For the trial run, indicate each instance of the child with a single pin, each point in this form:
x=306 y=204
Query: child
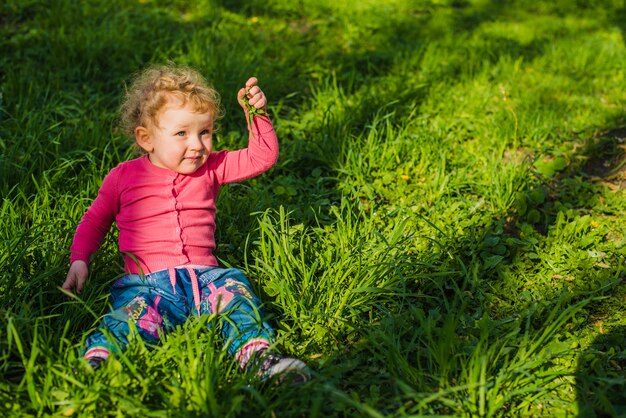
x=164 y=205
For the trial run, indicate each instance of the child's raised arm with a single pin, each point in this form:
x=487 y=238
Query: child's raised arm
x=262 y=151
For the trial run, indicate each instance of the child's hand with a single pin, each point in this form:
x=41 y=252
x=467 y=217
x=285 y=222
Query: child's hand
x=76 y=277
x=254 y=95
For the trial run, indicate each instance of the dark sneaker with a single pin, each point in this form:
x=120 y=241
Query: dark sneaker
x=281 y=369
x=95 y=362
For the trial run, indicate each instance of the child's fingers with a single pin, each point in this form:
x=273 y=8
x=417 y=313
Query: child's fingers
x=80 y=283
x=249 y=92
x=240 y=94
x=258 y=101
x=76 y=277
x=252 y=81
x=252 y=95
x=254 y=91
x=68 y=284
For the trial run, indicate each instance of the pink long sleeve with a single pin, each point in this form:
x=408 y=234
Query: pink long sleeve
x=97 y=220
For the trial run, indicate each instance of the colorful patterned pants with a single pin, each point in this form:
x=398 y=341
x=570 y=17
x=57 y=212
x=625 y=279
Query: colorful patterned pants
x=158 y=302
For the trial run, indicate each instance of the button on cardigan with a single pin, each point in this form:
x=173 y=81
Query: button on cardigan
x=164 y=218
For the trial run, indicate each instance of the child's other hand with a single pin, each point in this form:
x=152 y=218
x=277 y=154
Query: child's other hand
x=255 y=95
x=76 y=277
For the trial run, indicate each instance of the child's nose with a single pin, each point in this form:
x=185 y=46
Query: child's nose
x=195 y=142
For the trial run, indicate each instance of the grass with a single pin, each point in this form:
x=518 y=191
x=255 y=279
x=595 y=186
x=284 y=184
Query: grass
x=443 y=234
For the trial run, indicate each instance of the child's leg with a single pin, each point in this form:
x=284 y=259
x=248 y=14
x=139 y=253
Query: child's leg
x=150 y=302
x=229 y=292
x=248 y=337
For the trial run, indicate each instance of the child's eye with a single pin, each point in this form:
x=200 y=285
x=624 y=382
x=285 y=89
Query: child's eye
x=205 y=132
x=181 y=133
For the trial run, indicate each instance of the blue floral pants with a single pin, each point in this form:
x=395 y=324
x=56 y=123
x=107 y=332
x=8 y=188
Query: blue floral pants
x=158 y=302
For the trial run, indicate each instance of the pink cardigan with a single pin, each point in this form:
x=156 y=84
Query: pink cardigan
x=167 y=219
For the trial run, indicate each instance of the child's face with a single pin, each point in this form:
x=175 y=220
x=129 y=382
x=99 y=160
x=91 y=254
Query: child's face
x=182 y=140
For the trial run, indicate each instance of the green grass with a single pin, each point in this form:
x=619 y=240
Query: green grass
x=443 y=235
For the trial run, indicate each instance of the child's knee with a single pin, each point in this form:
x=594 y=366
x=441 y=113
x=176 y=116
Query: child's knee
x=142 y=311
x=226 y=294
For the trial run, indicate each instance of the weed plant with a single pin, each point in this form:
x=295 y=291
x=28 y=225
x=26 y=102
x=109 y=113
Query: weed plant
x=443 y=235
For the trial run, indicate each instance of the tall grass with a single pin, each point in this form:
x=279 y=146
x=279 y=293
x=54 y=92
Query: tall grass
x=443 y=234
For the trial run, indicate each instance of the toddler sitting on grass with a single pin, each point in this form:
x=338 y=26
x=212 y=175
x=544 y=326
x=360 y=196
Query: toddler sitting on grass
x=164 y=205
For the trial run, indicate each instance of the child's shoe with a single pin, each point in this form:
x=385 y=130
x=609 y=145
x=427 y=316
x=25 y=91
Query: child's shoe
x=95 y=362
x=96 y=355
x=281 y=369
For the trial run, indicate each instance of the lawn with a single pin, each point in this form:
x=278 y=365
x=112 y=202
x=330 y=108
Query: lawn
x=444 y=233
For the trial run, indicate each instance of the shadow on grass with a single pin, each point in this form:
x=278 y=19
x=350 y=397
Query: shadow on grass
x=620 y=21
x=600 y=377
x=607 y=163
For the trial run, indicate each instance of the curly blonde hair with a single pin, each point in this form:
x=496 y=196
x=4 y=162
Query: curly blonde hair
x=151 y=89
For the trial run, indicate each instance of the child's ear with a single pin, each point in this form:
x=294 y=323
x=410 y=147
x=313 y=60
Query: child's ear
x=142 y=136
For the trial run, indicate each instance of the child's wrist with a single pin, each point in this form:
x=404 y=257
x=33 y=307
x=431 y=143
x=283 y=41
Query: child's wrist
x=78 y=260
